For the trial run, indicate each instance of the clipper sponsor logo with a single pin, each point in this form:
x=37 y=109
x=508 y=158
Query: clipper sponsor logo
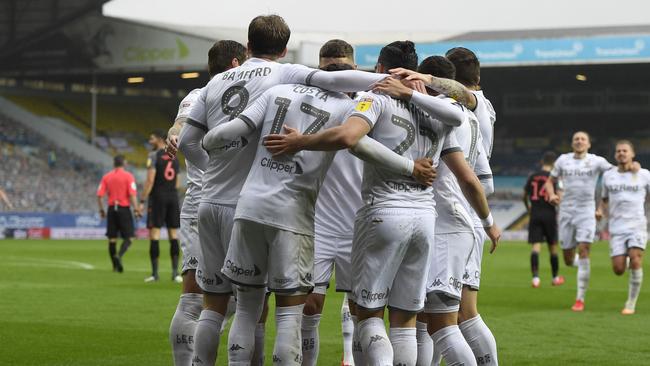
x=374 y=296
x=281 y=167
x=405 y=187
x=455 y=283
x=235 y=144
x=240 y=271
x=207 y=280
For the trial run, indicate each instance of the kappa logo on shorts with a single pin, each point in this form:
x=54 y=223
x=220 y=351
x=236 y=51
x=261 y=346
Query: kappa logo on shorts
x=466 y=276
x=436 y=283
x=276 y=359
x=356 y=346
x=306 y=278
x=374 y=296
x=375 y=338
x=281 y=281
x=240 y=271
x=193 y=261
x=196 y=360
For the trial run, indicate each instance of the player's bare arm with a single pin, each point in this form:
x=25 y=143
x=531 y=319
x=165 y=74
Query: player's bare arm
x=448 y=87
x=525 y=199
x=100 y=205
x=171 y=147
x=553 y=197
x=443 y=110
x=148 y=185
x=473 y=192
x=601 y=211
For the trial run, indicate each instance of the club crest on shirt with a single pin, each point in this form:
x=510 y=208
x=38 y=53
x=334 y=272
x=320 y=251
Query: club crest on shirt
x=363 y=105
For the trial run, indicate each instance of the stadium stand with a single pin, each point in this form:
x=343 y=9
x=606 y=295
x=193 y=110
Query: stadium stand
x=40 y=177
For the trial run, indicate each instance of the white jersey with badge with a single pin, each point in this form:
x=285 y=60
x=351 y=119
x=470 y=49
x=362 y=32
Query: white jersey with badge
x=190 y=207
x=579 y=178
x=626 y=193
x=487 y=116
x=448 y=194
x=223 y=99
x=410 y=132
x=339 y=198
x=282 y=191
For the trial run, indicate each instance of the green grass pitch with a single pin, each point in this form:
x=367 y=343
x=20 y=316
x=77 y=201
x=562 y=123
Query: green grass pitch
x=61 y=305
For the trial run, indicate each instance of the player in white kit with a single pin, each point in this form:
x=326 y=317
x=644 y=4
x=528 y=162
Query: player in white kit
x=394 y=229
x=221 y=100
x=338 y=201
x=579 y=172
x=222 y=56
x=273 y=231
x=454 y=232
x=623 y=197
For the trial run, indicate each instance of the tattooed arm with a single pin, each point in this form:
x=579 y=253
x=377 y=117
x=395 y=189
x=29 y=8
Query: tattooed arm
x=448 y=87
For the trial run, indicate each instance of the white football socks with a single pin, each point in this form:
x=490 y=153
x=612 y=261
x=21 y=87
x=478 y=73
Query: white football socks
x=206 y=338
x=288 y=348
x=230 y=311
x=583 y=278
x=636 y=279
x=453 y=347
x=258 y=354
x=347 y=328
x=181 y=330
x=405 y=346
x=357 y=350
x=377 y=349
x=310 y=339
x=241 y=338
x=481 y=340
x=425 y=344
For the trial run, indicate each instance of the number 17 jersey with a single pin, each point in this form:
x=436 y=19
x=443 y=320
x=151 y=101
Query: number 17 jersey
x=281 y=191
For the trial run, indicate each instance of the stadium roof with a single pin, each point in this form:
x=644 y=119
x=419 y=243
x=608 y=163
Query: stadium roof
x=24 y=22
x=551 y=33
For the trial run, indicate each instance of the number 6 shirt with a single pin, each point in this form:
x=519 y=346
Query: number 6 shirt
x=164 y=183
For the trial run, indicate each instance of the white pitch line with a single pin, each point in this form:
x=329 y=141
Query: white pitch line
x=51 y=263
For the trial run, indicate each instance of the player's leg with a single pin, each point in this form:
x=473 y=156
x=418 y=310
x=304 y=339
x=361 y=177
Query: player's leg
x=408 y=291
x=357 y=351
x=567 y=233
x=154 y=223
x=551 y=235
x=471 y=324
x=290 y=259
x=215 y=224
x=246 y=265
x=112 y=230
x=260 y=331
x=190 y=304
x=636 y=245
x=378 y=237
x=324 y=250
x=172 y=221
x=534 y=263
x=424 y=341
x=343 y=268
x=347 y=330
x=584 y=235
x=449 y=256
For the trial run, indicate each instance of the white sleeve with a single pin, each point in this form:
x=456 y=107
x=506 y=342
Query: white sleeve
x=445 y=110
x=450 y=143
x=556 y=172
x=369 y=108
x=187 y=103
x=647 y=180
x=483 y=171
x=345 y=80
x=604 y=164
x=251 y=119
x=189 y=143
x=374 y=152
x=199 y=115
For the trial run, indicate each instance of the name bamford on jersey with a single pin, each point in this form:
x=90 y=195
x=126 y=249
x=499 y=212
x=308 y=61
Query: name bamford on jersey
x=247 y=74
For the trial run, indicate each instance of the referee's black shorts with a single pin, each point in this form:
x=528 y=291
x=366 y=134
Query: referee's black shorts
x=119 y=222
x=542 y=228
x=163 y=210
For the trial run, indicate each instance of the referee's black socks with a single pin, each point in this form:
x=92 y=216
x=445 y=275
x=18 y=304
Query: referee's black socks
x=112 y=250
x=124 y=247
x=555 y=264
x=154 y=253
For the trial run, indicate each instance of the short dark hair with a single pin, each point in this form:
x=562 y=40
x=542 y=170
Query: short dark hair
x=118 y=161
x=159 y=133
x=268 y=35
x=337 y=67
x=549 y=158
x=468 y=67
x=438 y=66
x=581 y=131
x=399 y=54
x=221 y=54
x=336 y=48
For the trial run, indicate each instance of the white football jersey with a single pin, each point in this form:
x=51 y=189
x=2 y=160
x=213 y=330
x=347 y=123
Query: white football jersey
x=410 y=132
x=282 y=191
x=190 y=207
x=340 y=196
x=626 y=193
x=447 y=190
x=223 y=99
x=486 y=118
x=579 y=178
